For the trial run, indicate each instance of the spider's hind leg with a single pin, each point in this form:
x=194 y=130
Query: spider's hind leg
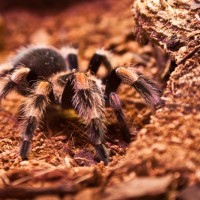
x=89 y=103
x=70 y=55
x=101 y=56
x=34 y=109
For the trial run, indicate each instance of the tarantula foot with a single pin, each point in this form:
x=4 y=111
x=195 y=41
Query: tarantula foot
x=160 y=104
x=24 y=149
x=102 y=153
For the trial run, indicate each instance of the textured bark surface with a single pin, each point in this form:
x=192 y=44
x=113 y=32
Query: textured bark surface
x=170 y=144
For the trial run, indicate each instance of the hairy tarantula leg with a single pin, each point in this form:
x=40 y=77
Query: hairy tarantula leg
x=116 y=105
x=70 y=54
x=88 y=102
x=100 y=57
x=147 y=88
x=34 y=109
x=96 y=130
x=5 y=69
x=16 y=78
x=112 y=84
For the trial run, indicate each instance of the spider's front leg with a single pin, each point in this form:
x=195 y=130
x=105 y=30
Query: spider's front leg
x=33 y=110
x=147 y=88
x=89 y=103
x=11 y=81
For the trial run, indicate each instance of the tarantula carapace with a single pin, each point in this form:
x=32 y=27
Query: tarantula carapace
x=47 y=75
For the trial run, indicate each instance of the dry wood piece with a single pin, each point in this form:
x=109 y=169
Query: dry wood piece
x=190 y=193
x=174 y=26
x=28 y=193
x=171 y=24
x=148 y=188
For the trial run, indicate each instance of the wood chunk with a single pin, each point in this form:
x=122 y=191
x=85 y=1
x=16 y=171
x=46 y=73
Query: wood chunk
x=140 y=188
x=190 y=193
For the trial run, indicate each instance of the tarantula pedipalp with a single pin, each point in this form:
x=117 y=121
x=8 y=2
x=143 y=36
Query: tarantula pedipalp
x=48 y=75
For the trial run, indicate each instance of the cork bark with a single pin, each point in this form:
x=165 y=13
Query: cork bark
x=170 y=144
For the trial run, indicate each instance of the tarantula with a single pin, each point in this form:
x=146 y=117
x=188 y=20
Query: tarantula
x=48 y=75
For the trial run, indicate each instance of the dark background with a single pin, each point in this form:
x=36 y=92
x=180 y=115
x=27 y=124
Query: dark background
x=38 y=5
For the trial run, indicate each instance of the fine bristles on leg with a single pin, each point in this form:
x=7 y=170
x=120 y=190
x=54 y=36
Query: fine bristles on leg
x=102 y=152
x=31 y=124
x=70 y=54
x=147 y=88
x=149 y=91
x=6 y=87
x=101 y=56
x=5 y=69
x=33 y=111
x=96 y=131
x=16 y=78
x=116 y=105
x=89 y=103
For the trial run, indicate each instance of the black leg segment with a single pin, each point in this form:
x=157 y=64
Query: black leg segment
x=112 y=84
x=100 y=57
x=27 y=136
x=72 y=61
x=116 y=105
x=96 y=131
x=70 y=55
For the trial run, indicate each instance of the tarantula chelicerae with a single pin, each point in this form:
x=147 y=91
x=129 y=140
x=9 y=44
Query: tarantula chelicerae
x=47 y=75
